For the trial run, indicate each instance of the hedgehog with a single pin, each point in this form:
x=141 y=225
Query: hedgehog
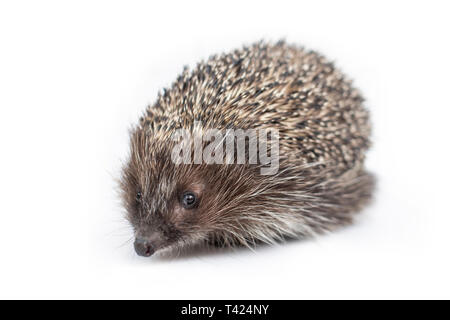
x=319 y=125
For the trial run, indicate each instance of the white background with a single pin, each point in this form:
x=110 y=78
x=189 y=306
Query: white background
x=74 y=75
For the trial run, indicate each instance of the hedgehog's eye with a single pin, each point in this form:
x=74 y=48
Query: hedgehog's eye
x=188 y=200
x=138 y=197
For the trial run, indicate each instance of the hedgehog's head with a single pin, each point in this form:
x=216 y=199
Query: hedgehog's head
x=172 y=205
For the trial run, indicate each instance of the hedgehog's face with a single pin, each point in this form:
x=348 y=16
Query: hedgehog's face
x=164 y=207
x=168 y=205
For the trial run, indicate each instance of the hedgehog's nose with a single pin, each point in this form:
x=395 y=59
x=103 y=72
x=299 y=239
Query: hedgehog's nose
x=143 y=247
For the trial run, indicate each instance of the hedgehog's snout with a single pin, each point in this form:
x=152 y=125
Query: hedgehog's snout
x=148 y=241
x=143 y=247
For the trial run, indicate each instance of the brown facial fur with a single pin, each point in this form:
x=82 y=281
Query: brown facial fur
x=324 y=133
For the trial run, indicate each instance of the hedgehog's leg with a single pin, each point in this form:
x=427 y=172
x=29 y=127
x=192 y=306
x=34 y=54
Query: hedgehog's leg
x=215 y=242
x=227 y=240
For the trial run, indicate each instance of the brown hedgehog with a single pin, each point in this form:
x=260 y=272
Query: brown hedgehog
x=322 y=134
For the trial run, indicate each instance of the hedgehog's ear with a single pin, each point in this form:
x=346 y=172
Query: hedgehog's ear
x=198 y=187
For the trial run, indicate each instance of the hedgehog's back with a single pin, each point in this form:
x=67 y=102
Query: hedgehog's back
x=317 y=112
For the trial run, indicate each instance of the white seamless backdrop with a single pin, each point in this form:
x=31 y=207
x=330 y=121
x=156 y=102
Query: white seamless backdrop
x=74 y=76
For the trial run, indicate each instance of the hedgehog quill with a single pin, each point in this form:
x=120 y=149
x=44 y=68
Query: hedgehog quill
x=276 y=107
